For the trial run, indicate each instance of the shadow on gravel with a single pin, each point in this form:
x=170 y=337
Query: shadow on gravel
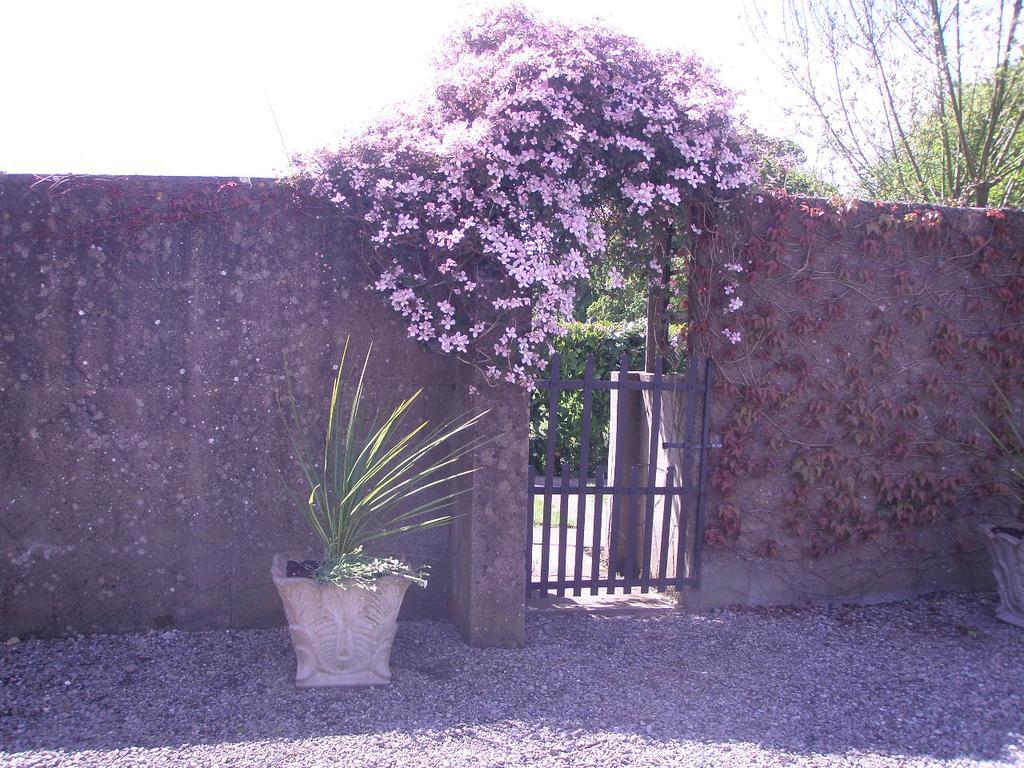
x=936 y=678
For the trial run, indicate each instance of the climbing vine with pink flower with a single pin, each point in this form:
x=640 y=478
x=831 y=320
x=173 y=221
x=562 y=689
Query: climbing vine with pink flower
x=486 y=206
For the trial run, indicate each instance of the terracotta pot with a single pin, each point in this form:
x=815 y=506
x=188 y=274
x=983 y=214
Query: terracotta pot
x=341 y=635
x=1007 y=553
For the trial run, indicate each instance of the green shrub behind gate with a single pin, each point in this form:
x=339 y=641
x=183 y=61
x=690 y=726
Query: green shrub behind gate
x=607 y=342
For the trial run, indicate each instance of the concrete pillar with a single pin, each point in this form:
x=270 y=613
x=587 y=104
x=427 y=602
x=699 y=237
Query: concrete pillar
x=488 y=536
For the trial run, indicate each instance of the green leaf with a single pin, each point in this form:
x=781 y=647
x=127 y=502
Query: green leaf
x=379 y=481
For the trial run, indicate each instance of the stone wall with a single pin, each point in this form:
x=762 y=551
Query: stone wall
x=147 y=478
x=144 y=328
x=852 y=409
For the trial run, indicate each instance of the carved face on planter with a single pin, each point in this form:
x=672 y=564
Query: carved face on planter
x=342 y=636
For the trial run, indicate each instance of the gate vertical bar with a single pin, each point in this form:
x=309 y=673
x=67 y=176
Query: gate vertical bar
x=531 y=479
x=687 y=486
x=595 y=557
x=581 y=498
x=549 y=468
x=631 y=537
x=652 y=472
x=666 y=525
x=618 y=475
x=563 y=527
x=709 y=380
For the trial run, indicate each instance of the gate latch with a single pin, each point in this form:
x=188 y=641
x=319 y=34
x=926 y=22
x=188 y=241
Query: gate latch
x=714 y=443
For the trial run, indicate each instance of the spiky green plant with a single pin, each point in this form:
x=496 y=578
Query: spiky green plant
x=1012 y=447
x=378 y=479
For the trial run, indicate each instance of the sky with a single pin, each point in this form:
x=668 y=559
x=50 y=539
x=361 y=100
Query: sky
x=193 y=88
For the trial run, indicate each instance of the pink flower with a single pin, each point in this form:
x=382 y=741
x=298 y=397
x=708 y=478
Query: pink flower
x=534 y=132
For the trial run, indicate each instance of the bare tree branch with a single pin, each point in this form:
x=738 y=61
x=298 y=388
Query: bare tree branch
x=922 y=99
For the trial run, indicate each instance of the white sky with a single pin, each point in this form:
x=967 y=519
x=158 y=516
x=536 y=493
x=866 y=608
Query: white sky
x=183 y=88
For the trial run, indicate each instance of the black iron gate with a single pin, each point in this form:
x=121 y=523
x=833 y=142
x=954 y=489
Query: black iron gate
x=639 y=523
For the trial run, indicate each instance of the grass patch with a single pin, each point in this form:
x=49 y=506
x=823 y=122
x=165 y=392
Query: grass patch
x=556 y=516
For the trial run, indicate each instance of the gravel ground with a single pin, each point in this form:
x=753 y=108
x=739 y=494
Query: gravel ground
x=936 y=681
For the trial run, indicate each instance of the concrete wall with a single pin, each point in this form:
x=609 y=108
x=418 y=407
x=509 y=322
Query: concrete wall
x=854 y=466
x=146 y=477
x=145 y=474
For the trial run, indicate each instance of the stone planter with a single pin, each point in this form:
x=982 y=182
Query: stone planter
x=1007 y=551
x=341 y=636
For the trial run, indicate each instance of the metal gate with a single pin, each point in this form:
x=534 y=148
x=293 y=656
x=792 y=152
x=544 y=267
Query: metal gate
x=639 y=523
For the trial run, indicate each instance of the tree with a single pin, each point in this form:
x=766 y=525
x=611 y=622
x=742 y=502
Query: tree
x=922 y=99
x=599 y=301
x=931 y=151
x=779 y=162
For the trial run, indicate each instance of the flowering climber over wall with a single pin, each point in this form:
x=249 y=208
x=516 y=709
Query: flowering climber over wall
x=486 y=206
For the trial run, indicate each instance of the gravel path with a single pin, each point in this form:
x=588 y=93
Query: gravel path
x=935 y=681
